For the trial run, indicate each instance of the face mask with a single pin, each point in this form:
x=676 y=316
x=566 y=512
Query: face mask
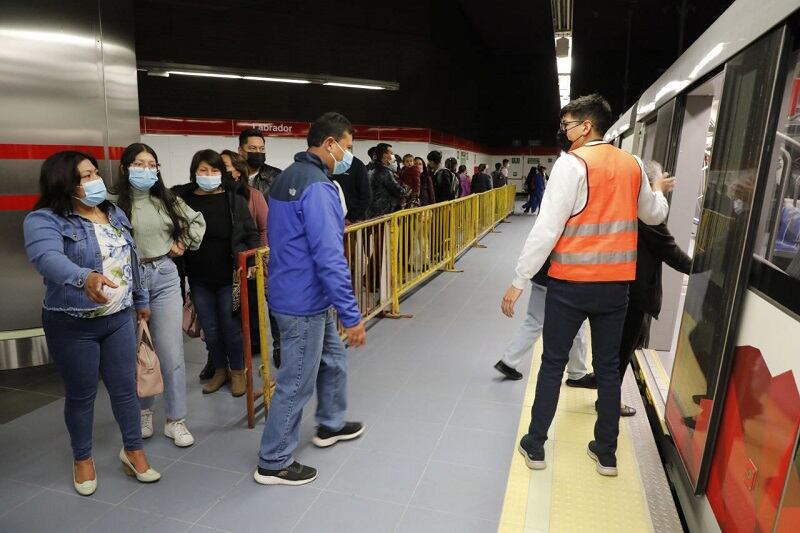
x=340 y=167
x=209 y=183
x=94 y=193
x=393 y=165
x=563 y=141
x=142 y=178
x=256 y=159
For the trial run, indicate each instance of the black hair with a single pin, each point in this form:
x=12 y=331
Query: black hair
x=593 y=108
x=505 y=161
x=435 y=156
x=165 y=197
x=462 y=168
x=330 y=124
x=371 y=152
x=497 y=166
x=482 y=167
x=250 y=132
x=451 y=163
x=57 y=181
x=381 y=149
x=208 y=156
x=240 y=164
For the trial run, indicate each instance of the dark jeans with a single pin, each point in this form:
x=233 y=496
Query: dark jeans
x=85 y=349
x=567 y=306
x=633 y=335
x=222 y=329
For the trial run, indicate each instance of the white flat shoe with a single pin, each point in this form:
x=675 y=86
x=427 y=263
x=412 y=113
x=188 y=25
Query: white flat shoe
x=150 y=476
x=86 y=488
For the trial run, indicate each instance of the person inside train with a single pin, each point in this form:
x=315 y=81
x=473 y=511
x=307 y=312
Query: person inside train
x=655 y=245
x=82 y=246
x=212 y=268
x=309 y=279
x=590 y=240
x=252 y=148
x=164 y=227
x=529 y=332
x=482 y=181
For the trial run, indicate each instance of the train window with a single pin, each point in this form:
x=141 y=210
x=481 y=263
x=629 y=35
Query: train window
x=705 y=341
x=778 y=238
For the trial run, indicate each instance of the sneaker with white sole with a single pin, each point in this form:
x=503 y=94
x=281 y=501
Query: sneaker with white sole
x=178 y=432
x=326 y=437
x=606 y=462
x=294 y=474
x=534 y=457
x=147 y=423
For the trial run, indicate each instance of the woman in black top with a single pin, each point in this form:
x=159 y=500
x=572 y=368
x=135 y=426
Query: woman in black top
x=211 y=268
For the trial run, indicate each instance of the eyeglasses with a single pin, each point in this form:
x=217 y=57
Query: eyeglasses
x=564 y=125
x=149 y=166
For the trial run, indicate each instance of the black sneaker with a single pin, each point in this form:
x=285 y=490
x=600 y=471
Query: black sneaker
x=586 y=382
x=294 y=474
x=507 y=371
x=606 y=463
x=326 y=437
x=534 y=457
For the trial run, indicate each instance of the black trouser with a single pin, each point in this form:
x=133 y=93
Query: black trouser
x=567 y=306
x=633 y=335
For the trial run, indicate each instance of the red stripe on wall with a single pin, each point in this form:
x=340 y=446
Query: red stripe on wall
x=43 y=151
x=17 y=202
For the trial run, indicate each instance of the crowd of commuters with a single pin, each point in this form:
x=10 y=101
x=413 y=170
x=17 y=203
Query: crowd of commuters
x=111 y=262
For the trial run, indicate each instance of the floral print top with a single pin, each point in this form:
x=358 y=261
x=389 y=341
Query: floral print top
x=117 y=267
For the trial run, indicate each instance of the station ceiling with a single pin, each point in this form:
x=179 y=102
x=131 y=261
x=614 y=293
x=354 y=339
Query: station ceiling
x=482 y=70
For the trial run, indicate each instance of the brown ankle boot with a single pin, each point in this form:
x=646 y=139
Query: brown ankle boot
x=219 y=379
x=238 y=382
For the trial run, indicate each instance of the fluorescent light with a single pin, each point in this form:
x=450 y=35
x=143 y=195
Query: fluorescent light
x=205 y=74
x=564 y=65
x=354 y=86
x=278 y=80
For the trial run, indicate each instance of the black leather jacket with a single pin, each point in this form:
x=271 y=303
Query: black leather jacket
x=264 y=179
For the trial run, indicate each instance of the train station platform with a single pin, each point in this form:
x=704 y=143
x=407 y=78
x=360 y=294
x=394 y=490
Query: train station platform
x=439 y=454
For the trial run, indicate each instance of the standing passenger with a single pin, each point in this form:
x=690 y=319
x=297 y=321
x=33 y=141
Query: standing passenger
x=164 y=228
x=427 y=196
x=482 y=181
x=82 y=246
x=357 y=191
x=592 y=239
x=410 y=178
x=386 y=191
x=211 y=268
x=465 y=181
x=308 y=280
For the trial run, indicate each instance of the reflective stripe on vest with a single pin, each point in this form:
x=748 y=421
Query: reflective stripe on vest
x=599 y=243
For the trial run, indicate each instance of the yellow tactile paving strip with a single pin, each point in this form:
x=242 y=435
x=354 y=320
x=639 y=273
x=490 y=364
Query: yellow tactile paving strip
x=570 y=496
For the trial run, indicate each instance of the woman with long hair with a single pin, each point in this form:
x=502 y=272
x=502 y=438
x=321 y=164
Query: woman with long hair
x=82 y=246
x=164 y=227
x=212 y=267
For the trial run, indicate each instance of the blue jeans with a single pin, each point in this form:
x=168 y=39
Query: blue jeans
x=312 y=352
x=85 y=349
x=223 y=330
x=166 y=308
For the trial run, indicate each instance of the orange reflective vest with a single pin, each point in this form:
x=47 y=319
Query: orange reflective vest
x=599 y=243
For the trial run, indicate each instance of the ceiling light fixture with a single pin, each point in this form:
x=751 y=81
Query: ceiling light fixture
x=204 y=74
x=277 y=80
x=354 y=85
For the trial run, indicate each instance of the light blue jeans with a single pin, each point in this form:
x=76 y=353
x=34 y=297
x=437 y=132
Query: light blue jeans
x=531 y=329
x=166 y=315
x=311 y=353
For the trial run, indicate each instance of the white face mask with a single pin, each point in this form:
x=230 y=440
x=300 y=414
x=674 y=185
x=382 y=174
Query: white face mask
x=393 y=165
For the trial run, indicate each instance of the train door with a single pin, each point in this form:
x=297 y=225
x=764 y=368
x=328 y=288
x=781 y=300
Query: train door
x=722 y=255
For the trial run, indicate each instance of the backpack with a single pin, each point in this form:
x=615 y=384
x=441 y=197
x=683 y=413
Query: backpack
x=455 y=185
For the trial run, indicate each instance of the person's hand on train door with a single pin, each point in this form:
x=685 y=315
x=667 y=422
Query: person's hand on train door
x=356 y=336
x=509 y=300
x=664 y=184
x=94 y=287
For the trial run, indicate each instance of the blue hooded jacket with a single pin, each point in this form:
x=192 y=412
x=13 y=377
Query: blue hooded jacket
x=308 y=272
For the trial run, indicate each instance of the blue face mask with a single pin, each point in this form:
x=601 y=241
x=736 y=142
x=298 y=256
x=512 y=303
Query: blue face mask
x=209 y=183
x=142 y=178
x=94 y=193
x=340 y=167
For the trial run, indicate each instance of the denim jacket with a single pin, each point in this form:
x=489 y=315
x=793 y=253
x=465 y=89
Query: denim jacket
x=65 y=251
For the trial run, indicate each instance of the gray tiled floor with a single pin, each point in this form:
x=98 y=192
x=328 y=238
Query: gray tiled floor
x=440 y=435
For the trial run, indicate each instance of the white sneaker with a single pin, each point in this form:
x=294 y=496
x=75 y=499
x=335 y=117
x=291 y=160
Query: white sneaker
x=147 y=423
x=178 y=432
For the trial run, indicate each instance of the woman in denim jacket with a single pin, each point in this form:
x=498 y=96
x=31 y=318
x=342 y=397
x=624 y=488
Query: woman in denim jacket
x=81 y=244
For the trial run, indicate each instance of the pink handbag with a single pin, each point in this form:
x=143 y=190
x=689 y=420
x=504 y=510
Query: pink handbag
x=148 y=370
x=191 y=325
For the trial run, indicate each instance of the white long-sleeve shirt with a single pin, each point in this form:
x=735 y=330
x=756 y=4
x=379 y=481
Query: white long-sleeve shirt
x=565 y=196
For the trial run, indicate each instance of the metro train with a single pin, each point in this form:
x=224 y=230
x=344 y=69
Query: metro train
x=721 y=369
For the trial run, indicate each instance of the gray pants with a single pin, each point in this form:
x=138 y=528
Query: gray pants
x=530 y=331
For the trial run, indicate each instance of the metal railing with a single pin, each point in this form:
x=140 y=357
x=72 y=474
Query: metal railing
x=388 y=257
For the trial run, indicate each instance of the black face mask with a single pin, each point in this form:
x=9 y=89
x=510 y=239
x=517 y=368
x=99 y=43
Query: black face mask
x=255 y=159
x=563 y=141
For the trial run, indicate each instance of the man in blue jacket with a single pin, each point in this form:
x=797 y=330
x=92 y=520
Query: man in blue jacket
x=308 y=280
